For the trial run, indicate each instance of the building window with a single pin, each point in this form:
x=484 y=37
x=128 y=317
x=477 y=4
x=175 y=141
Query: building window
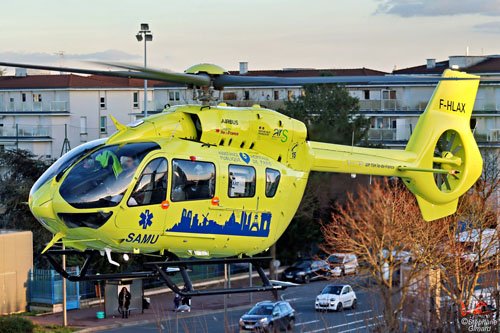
x=37 y=97
x=290 y=95
x=192 y=180
x=102 y=102
x=247 y=95
x=136 y=99
x=272 y=182
x=366 y=94
x=174 y=96
x=276 y=95
x=229 y=96
x=104 y=127
x=23 y=97
x=83 y=125
x=241 y=181
x=151 y=188
x=388 y=94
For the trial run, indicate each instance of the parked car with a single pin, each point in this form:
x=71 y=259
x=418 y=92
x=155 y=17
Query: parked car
x=343 y=263
x=336 y=297
x=268 y=316
x=306 y=271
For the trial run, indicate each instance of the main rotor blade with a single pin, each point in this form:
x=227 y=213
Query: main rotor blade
x=138 y=73
x=200 y=80
x=234 y=80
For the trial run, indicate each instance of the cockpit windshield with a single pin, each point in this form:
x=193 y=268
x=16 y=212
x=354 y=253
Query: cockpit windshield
x=65 y=162
x=102 y=178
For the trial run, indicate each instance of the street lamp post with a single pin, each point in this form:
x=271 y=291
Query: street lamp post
x=145 y=34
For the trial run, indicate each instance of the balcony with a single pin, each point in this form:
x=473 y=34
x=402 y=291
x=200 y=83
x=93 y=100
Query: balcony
x=381 y=105
x=54 y=106
x=382 y=134
x=25 y=131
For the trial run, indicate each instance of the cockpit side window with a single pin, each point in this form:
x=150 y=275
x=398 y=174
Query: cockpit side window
x=102 y=178
x=151 y=188
x=192 y=180
x=272 y=182
x=241 y=181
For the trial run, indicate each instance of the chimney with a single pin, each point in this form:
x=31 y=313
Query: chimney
x=21 y=72
x=243 y=68
x=431 y=63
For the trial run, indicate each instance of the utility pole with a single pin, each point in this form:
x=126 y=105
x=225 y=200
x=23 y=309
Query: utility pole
x=145 y=34
x=65 y=314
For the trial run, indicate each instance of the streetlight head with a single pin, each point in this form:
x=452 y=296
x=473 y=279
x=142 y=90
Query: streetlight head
x=139 y=37
x=144 y=26
x=149 y=37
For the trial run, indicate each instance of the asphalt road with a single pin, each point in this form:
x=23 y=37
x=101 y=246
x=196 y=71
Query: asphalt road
x=302 y=299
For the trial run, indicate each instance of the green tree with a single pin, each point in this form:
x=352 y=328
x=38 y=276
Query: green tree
x=331 y=115
x=18 y=172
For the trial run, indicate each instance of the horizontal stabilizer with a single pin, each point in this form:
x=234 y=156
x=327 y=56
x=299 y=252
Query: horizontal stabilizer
x=432 y=211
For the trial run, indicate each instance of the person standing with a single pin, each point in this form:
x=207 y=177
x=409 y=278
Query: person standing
x=124 y=302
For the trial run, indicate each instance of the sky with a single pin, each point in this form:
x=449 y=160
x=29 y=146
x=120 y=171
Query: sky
x=268 y=34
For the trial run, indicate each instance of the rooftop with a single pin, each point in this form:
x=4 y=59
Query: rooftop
x=489 y=64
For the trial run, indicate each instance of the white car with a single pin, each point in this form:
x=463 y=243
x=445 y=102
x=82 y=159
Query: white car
x=343 y=263
x=336 y=297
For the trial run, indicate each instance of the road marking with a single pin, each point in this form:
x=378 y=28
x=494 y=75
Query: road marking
x=293 y=299
x=357 y=328
x=342 y=325
x=358 y=313
x=307 y=322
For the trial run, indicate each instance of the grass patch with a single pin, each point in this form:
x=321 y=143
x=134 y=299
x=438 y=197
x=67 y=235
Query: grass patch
x=54 y=329
x=28 y=313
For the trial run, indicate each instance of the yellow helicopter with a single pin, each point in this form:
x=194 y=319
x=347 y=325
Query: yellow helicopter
x=217 y=181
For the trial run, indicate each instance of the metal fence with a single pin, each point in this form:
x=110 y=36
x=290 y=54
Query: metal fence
x=89 y=289
x=46 y=287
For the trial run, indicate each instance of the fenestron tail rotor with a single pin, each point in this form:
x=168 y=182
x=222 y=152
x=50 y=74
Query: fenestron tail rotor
x=449 y=158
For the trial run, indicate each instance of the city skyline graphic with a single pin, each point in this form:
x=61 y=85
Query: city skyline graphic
x=249 y=224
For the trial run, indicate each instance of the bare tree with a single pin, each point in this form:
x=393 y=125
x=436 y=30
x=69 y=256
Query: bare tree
x=384 y=228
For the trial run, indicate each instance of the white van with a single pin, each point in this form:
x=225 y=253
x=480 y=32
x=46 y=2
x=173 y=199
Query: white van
x=343 y=263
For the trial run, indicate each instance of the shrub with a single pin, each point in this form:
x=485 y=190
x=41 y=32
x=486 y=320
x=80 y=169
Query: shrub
x=14 y=324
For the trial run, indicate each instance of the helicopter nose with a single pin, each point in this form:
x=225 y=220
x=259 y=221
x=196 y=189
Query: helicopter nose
x=41 y=206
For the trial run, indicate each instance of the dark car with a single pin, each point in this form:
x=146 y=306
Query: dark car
x=268 y=317
x=306 y=271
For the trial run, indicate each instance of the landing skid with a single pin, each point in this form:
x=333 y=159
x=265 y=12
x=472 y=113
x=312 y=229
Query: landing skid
x=165 y=268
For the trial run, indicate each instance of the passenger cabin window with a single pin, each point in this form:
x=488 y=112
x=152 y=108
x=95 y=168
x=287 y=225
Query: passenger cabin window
x=241 y=181
x=152 y=185
x=192 y=180
x=272 y=182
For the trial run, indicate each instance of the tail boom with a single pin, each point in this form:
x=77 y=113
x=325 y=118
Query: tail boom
x=441 y=161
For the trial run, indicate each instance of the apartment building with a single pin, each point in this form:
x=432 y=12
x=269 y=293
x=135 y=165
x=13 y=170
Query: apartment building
x=48 y=114
x=38 y=112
